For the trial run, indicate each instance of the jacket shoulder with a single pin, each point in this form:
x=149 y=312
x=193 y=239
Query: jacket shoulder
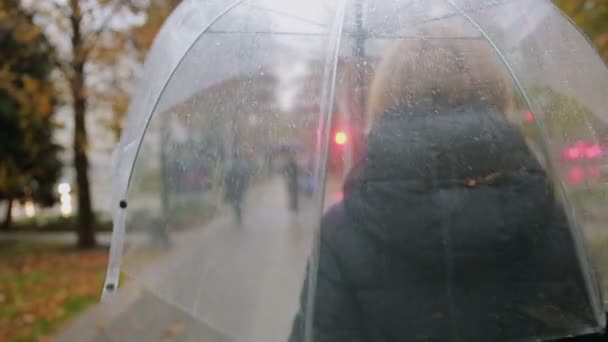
x=334 y=217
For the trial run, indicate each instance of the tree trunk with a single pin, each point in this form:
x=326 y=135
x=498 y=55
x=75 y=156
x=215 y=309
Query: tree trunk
x=86 y=219
x=8 y=218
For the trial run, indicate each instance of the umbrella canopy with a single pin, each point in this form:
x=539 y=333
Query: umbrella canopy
x=456 y=150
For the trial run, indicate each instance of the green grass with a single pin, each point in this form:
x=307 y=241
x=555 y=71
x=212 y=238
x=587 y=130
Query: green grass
x=44 y=285
x=183 y=212
x=44 y=327
x=58 y=224
x=13 y=250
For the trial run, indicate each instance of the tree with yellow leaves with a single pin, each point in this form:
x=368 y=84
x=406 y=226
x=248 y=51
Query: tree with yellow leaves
x=142 y=38
x=97 y=53
x=592 y=17
x=29 y=161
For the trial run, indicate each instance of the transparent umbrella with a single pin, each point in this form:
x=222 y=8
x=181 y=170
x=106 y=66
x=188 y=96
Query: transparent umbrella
x=332 y=170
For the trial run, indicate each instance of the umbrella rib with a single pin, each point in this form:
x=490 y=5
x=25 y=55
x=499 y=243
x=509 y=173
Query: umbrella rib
x=355 y=33
x=287 y=15
x=312 y=34
x=594 y=299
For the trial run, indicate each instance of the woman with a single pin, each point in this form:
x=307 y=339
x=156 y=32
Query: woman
x=449 y=229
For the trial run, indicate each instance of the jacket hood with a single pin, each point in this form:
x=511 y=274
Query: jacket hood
x=462 y=177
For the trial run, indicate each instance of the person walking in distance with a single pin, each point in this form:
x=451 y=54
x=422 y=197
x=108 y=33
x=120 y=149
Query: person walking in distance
x=236 y=182
x=291 y=175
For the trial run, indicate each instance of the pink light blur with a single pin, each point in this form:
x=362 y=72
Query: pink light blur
x=576 y=175
x=583 y=150
x=573 y=153
x=593 y=151
x=594 y=172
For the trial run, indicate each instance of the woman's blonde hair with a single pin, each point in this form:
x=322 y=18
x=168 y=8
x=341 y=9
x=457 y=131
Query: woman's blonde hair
x=436 y=69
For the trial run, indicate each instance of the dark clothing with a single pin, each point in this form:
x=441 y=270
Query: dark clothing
x=236 y=182
x=291 y=174
x=449 y=231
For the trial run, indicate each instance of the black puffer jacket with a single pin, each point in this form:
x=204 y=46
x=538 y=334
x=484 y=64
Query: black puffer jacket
x=449 y=231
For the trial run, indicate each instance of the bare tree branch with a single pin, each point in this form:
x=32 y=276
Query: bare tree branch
x=59 y=63
x=93 y=37
x=63 y=10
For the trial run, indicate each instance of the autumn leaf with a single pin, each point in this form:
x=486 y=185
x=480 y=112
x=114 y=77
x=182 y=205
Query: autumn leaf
x=47 y=286
x=175 y=330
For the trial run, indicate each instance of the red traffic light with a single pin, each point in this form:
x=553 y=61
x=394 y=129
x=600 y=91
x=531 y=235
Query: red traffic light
x=341 y=138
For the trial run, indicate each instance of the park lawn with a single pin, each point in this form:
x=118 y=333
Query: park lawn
x=44 y=285
x=54 y=224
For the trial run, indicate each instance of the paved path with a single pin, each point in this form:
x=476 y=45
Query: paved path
x=224 y=282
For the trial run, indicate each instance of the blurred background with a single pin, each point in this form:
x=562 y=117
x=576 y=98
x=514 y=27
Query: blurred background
x=67 y=70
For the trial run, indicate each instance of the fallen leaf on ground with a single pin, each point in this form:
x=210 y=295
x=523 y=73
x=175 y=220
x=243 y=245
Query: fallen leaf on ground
x=175 y=330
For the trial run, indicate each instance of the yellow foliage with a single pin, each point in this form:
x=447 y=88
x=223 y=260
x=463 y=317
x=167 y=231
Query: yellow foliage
x=33 y=95
x=570 y=7
x=592 y=17
x=30 y=84
x=45 y=102
x=27 y=33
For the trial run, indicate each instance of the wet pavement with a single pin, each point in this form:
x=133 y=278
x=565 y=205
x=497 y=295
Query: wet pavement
x=218 y=282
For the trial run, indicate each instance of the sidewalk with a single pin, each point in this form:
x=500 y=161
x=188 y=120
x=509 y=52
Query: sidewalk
x=219 y=282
